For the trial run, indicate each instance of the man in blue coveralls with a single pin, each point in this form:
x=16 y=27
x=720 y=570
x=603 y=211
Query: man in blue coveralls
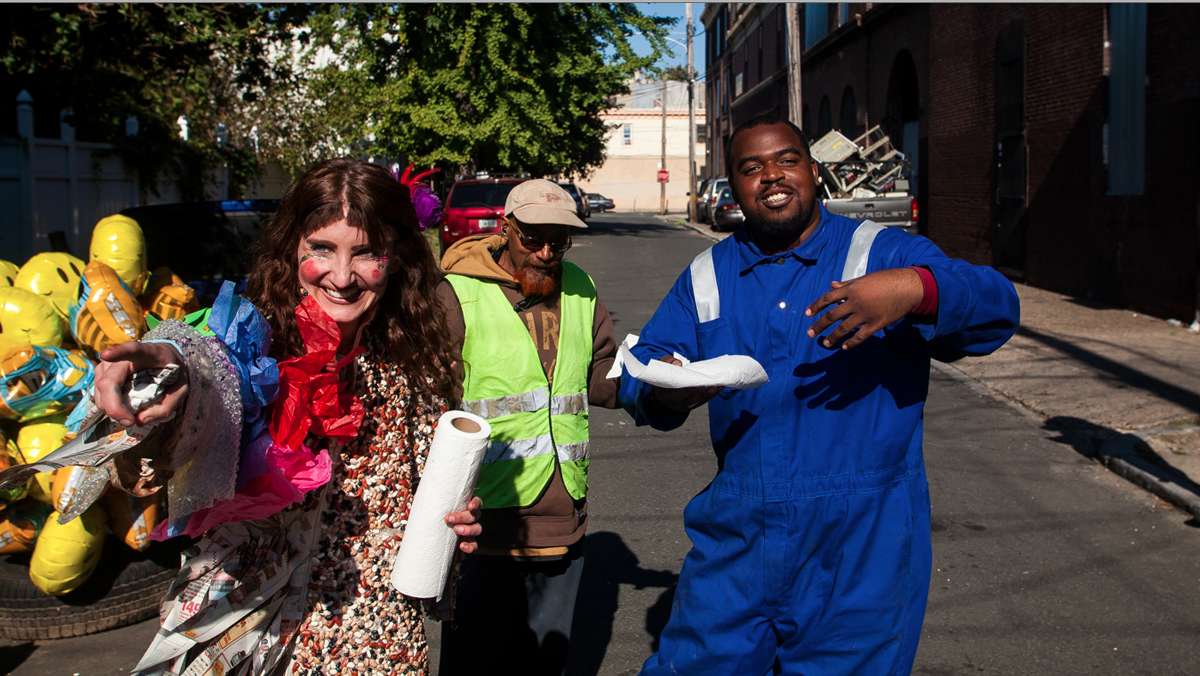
x=811 y=547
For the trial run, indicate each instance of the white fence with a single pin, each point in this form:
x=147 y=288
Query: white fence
x=53 y=190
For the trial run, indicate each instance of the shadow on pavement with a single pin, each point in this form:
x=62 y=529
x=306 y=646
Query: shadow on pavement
x=1126 y=374
x=1106 y=444
x=12 y=656
x=624 y=225
x=609 y=564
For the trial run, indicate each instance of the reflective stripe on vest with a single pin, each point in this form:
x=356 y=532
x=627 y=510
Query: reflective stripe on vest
x=567 y=404
x=860 y=250
x=499 y=451
x=704 y=276
x=704 y=287
x=535 y=420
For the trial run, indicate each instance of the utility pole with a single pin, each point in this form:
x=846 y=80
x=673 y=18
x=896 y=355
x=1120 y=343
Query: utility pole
x=795 y=48
x=691 y=77
x=662 y=185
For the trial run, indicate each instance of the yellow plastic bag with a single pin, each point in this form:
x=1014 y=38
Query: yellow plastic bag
x=132 y=518
x=167 y=297
x=27 y=319
x=107 y=312
x=34 y=441
x=54 y=275
x=66 y=554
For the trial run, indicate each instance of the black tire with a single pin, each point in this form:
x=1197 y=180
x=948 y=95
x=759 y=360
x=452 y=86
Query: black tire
x=126 y=587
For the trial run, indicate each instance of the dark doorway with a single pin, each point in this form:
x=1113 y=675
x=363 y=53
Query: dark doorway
x=824 y=118
x=902 y=123
x=1009 y=216
x=848 y=116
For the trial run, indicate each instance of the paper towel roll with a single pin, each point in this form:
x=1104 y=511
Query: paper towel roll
x=427 y=550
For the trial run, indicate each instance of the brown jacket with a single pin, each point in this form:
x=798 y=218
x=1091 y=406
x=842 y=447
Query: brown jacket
x=555 y=521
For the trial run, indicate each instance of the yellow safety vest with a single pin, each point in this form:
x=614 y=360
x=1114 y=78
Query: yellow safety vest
x=533 y=421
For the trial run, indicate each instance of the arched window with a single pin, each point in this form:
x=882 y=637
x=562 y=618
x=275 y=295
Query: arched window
x=824 y=118
x=848 y=117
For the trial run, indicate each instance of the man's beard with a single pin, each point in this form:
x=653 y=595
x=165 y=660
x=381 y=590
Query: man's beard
x=777 y=232
x=538 y=282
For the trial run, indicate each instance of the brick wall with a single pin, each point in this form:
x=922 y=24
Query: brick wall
x=1138 y=251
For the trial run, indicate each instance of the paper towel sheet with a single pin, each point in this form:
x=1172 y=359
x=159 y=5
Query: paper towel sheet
x=427 y=550
x=737 y=371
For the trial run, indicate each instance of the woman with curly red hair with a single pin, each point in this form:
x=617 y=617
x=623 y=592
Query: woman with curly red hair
x=327 y=383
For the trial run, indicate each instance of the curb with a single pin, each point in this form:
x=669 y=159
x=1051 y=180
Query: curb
x=683 y=223
x=1121 y=452
x=1120 y=455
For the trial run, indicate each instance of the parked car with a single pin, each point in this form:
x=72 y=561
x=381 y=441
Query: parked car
x=598 y=202
x=474 y=206
x=582 y=209
x=726 y=213
x=204 y=243
x=709 y=193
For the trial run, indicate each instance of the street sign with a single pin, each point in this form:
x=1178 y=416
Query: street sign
x=663 y=176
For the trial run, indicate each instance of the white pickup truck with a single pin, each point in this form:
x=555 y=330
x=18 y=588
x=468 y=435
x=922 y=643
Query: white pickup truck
x=866 y=178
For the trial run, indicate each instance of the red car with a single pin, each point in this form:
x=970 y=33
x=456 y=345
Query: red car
x=474 y=206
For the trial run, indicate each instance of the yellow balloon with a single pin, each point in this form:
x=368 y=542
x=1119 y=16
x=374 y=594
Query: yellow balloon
x=107 y=313
x=35 y=441
x=167 y=297
x=66 y=554
x=118 y=242
x=8 y=272
x=28 y=319
x=54 y=275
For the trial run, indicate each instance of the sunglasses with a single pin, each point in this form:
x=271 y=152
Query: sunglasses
x=535 y=244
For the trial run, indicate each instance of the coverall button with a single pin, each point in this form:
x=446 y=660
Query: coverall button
x=782 y=304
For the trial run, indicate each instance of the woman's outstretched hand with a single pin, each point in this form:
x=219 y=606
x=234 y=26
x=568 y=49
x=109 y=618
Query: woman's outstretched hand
x=466 y=525
x=115 y=370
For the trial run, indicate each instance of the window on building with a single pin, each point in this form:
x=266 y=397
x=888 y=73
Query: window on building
x=824 y=118
x=627 y=133
x=758 y=74
x=701 y=132
x=1126 y=119
x=816 y=23
x=843 y=13
x=848 y=115
x=1010 y=188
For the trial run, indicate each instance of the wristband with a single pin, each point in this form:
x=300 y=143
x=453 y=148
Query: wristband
x=928 y=306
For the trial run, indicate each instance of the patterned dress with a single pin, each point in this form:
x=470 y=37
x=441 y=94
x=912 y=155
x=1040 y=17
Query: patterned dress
x=307 y=591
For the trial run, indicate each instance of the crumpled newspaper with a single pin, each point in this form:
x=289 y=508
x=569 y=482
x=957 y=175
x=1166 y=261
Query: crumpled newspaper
x=98 y=440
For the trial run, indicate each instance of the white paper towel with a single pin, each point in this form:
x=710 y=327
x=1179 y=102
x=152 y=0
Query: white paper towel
x=737 y=371
x=427 y=550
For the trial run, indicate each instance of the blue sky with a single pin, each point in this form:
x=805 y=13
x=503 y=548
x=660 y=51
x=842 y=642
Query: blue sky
x=679 y=32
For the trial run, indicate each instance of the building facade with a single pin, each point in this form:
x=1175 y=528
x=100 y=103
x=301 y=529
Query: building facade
x=634 y=151
x=1059 y=143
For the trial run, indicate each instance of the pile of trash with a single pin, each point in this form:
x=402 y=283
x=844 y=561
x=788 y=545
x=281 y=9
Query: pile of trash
x=57 y=314
x=866 y=166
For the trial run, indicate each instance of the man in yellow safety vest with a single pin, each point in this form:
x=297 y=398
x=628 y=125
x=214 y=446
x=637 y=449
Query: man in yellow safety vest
x=536 y=345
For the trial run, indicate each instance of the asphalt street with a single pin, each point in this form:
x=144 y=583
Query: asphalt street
x=1044 y=563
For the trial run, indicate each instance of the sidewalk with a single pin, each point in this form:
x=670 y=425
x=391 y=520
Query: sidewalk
x=1119 y=387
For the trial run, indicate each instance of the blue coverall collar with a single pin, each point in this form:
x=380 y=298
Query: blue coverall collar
x=807 y=253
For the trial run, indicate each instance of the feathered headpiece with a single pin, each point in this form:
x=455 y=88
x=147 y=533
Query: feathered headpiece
x=425 y=202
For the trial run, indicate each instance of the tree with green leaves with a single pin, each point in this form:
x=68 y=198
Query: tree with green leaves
x=466 y=86
x=215 y=64
x=517 y=87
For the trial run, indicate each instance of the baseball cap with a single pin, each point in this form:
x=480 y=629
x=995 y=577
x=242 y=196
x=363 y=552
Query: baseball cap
x=542 y=202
